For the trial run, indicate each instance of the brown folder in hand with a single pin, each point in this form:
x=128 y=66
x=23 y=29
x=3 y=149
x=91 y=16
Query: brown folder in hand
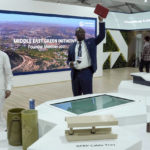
x=101 y=11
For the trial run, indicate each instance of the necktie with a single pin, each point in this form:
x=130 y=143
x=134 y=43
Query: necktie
x=79 y=53
x=79 y=50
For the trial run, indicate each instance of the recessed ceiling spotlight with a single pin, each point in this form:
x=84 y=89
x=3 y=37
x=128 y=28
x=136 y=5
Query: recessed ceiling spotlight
x=145 y=1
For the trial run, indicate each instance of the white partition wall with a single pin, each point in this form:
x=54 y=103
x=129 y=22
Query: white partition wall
x=122 y=46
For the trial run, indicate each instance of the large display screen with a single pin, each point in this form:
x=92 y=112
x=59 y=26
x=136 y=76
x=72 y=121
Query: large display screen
x=90 y=104
x=39 y=43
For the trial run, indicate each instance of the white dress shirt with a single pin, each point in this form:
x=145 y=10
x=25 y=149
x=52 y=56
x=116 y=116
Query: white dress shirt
x=85 y=59
x=5 y=72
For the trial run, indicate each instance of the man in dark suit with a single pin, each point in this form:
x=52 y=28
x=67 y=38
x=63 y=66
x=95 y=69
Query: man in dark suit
x=82 y=60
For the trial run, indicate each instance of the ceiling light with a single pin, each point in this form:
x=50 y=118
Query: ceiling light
x=145 y=1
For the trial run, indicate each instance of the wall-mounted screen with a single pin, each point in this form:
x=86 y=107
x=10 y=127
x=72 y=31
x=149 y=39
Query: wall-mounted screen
x=39 y=43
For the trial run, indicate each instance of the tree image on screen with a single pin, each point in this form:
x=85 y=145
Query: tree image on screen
x=40 y=43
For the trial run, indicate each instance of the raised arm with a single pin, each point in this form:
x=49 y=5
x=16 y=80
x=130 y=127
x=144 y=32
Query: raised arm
x=101 y=34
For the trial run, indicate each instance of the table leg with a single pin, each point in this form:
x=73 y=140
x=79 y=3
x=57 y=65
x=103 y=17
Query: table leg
x=71 y=131
x=93 y=131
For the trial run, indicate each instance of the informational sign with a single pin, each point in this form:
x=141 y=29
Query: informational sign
x=122 y=21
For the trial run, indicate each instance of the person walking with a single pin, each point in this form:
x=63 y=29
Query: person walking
x=145 y=55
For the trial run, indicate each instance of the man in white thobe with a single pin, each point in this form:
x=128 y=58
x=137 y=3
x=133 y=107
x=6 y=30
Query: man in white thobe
x=5 y=84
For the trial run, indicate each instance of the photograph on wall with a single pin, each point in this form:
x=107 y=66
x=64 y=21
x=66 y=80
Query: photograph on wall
x=38 y=43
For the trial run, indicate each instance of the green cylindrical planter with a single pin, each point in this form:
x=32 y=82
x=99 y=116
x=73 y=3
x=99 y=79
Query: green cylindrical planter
x=14 y=131
x=29 y=127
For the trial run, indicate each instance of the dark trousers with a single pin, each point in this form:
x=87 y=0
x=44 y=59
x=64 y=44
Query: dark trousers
x=82 y=82
x=147 y=65
x=143 y=64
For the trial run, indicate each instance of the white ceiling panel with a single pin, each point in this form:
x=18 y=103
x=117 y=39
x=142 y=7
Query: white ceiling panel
x=143 y=2
x=124 y=6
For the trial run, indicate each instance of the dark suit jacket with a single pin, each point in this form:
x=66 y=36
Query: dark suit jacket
x=91 y=46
